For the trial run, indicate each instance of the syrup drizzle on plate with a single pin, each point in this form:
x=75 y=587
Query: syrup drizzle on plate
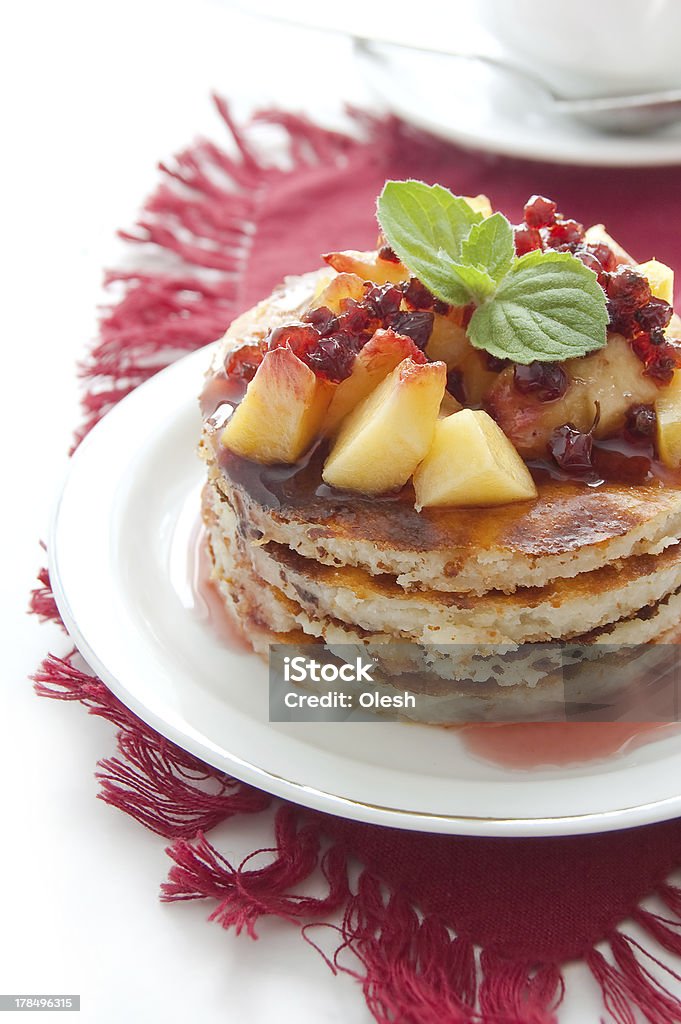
x=526 y=745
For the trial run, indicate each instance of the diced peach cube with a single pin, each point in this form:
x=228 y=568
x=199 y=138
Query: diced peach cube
x=381 y=443
x=471 y=462
x=282 y=411
x=374 y=362
x=367 y=265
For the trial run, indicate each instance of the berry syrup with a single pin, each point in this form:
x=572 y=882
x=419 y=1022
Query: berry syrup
x=527 y=745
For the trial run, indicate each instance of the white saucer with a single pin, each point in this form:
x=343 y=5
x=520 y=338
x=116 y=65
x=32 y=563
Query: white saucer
x=119 y=554
x=480 y=108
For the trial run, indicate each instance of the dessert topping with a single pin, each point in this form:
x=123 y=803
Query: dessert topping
x=546 y=381
x=628 y=290
x=526 y=239
x=387 y=254
x=540 y=324
x=539 y=212
x=329 y=351
x=655 y=315
x=661 y=279
x=544 y=228
x=572 y=449
x=243 y=360
x=417 y=296
x=387 y=435
x=328 y=342
x=640 y=423
x=471 y=462
x=417 y=325
x=455 y=386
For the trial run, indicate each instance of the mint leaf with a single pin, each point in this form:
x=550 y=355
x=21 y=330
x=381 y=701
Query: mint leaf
x=420 y=223
x=549 y=307
x=469 y=282
x=490 y=247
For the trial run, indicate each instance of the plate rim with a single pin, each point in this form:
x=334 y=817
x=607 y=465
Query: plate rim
x=300 y=793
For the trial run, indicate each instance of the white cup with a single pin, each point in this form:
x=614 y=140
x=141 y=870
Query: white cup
x=591 y=47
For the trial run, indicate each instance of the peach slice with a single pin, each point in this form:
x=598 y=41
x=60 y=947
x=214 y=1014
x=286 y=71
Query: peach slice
x=529 y=422
x=597 y=233
x=449 y=405
x=282 y=411
x=611 y=377
x=367 y=265
x=668 y=410
x=381 y=443
x=342 y=286
x=448 y=340
x=381 y=354
x=471 y=462
x=661 y=279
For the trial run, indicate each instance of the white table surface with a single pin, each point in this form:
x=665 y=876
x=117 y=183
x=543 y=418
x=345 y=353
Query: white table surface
x=95 y=95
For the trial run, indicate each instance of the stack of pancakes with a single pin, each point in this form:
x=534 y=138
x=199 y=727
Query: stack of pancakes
x=297 y=562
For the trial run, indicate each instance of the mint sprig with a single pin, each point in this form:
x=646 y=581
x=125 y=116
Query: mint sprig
x=544 y=306
x=490 y=245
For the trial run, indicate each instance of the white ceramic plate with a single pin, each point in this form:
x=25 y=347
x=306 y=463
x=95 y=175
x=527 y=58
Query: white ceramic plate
x=470 y=103
x=119 y=555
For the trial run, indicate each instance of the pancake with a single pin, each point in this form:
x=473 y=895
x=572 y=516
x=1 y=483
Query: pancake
x=458 y=683
x=458 y=594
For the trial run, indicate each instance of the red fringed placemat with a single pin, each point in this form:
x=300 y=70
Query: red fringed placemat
x=234 y=225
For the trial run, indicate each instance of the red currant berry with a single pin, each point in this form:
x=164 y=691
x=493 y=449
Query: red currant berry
x=628 y=289
x=564 y=232
x=417 y=325
x=656 y=314
x=603 y=254
x=381 y=301
x=546 y=381
x=298 y=337
x=243 y=361
x=322 y=318
x=526 y=239
x=333 y=356
x=416 y=295
x=571 y=449
x=455 y=386
x=539 y=212
x=640 y=422
x=388 y=254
